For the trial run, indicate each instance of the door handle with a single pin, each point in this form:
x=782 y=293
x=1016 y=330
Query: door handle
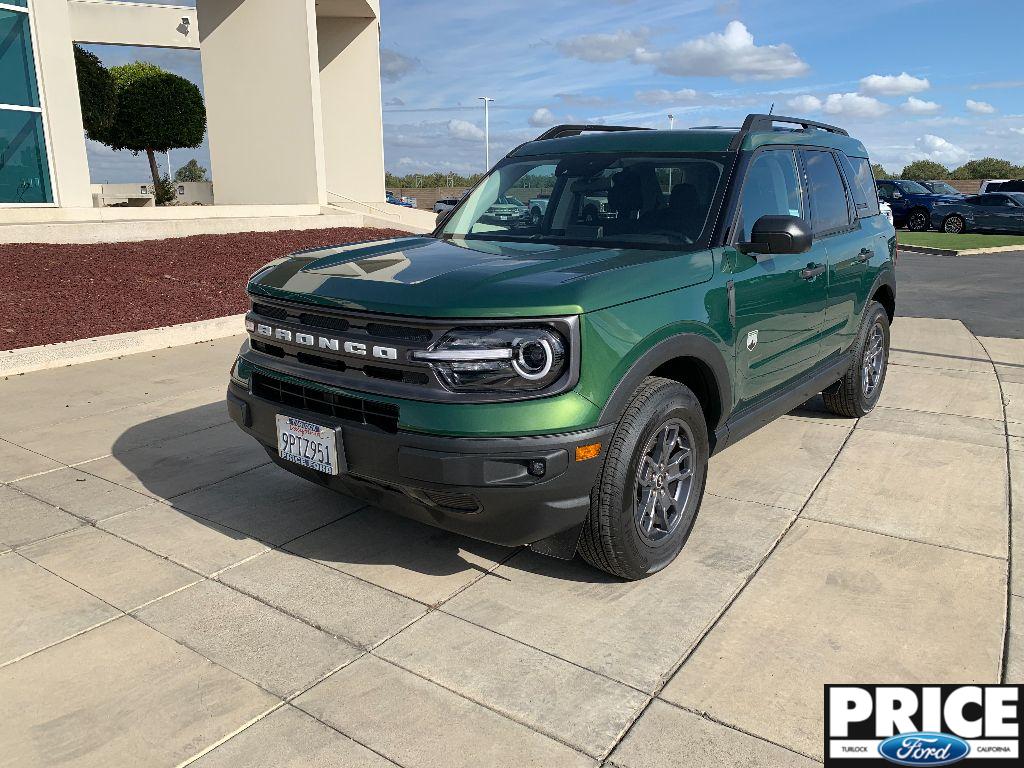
x=864 y=255
x=812 y=271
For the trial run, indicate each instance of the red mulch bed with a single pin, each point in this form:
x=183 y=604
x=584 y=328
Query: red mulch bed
x=51 y=293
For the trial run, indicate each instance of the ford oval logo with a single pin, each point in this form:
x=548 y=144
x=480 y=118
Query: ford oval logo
x=924 y=749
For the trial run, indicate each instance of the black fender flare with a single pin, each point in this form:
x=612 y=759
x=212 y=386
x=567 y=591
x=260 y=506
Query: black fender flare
x=886 y=277
x=680 y=345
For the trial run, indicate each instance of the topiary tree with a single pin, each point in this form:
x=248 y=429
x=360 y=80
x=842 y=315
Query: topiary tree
x=879 y=172
x=191 y=171
x=96 y=92
x=925 y=170
x=156 y=111
x=988 y=168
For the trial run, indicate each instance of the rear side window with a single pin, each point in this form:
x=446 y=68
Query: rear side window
x=830 y=210
x=771 y=187
x=862 y=182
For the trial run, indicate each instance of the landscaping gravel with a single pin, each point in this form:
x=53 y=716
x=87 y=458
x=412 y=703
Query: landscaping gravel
x=54 y=293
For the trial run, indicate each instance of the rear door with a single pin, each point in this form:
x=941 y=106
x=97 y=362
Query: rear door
x=780 y=299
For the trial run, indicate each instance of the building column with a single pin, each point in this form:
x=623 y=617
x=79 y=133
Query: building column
x=261 y=76
x=349 y=52
x=62 y=108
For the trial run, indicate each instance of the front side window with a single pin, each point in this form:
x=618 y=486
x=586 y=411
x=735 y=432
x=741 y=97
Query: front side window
x=829 y=208
x=771 y=187
x=595 y=199
x=24 y=168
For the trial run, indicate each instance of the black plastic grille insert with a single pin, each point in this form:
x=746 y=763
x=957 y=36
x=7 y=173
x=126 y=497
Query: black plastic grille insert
x=341 y=407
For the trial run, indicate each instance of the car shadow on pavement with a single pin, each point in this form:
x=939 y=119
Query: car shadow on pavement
x=215 y=474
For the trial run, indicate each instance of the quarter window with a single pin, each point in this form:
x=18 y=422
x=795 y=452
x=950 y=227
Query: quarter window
x=772 y=187
x=829 y=207
x=862 y=182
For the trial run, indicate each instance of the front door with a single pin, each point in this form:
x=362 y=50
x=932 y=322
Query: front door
x=780 y=299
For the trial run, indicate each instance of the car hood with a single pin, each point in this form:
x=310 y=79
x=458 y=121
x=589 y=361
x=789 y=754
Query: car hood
x=427 y=277
x=935 y=198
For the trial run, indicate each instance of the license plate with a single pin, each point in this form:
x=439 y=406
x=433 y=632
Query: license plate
x=311 y=445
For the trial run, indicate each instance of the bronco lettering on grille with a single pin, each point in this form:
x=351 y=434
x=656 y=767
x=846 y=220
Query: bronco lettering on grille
x=322 y=342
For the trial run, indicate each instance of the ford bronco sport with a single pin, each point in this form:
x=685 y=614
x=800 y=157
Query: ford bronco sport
x=562 y=384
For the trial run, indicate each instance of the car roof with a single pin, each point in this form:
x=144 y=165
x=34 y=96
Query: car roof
x=712 y=139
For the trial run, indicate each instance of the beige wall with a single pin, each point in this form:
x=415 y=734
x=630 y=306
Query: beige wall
x=351 y=102
x=263 y=100
x=119 y=23
x=62 y=111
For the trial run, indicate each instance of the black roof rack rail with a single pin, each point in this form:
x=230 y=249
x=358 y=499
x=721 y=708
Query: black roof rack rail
x=765 y=122
x=559 y=131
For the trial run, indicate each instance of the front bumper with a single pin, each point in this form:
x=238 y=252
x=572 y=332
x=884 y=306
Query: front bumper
x=478 y=487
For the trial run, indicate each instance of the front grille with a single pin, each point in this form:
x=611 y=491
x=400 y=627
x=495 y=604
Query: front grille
x=327 y=322
x=278 y=313
x=341 y=407
x=400 y=332
x=453 y=500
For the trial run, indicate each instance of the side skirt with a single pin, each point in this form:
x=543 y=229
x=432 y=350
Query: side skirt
x=749 y=420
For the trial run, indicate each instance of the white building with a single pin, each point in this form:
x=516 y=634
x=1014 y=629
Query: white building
x=292 y=94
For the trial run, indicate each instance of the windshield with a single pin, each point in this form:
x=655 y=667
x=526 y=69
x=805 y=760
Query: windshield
x=913 y=188
x=601 y=200
x=942 y=188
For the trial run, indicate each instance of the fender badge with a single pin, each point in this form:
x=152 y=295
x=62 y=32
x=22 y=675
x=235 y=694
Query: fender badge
x=751 y=340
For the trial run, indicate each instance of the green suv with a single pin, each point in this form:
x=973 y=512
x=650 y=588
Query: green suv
x=561 y=383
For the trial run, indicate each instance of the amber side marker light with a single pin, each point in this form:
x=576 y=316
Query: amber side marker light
x=584 y=452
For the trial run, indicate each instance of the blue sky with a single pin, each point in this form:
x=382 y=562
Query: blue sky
x=914 y=79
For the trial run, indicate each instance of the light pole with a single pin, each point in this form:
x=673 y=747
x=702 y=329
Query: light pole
x=487 y=131
x=169 y=176
x=671 y=122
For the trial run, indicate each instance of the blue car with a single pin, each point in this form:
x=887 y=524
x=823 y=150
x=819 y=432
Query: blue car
x=395 y=200
x=991 y=212
x=911 y=203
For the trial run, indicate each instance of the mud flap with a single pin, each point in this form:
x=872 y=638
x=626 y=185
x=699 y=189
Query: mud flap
x=561 y=545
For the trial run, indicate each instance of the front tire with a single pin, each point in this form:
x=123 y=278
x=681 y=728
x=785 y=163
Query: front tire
x=652 y=483
x=918 y=220
x=954 y=225
x=857 y=393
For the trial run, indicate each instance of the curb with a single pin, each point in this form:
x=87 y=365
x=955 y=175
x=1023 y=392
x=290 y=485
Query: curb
x=951 y=252
x=17 y=361
x=926 y=250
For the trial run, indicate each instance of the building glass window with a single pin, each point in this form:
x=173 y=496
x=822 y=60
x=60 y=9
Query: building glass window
x=24 y=166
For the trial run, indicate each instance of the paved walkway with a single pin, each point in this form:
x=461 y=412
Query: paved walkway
x=167 y=597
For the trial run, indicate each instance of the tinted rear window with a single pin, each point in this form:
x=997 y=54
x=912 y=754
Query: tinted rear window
x=858 y=173
x=829 y=208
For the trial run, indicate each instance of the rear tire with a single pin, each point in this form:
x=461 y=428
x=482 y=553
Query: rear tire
x=651 y=485
x=954 y=225
x=857 y=393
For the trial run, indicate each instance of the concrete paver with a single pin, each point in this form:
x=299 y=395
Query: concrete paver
x=809 y=447
x=552 y=696
x=1016 y=466
x=114 y=570
x=122 y=694
x=268 y=503
x=288 y=738
x=415 y=560
x=40 y=609
x=17 y=462
x=357 y=611
x=1007 y=356
x=936 y=391
x=24 y=519
x=410 y=721
x=931 y=343
x=197 y=544
x=633 y=632
x=669 y=737
x=821 y=610
x=918 y=488
x=82 y=494
x=275 y=651
x=1014 y=672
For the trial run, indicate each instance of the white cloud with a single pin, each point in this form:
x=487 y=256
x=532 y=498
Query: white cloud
x=979 y=107
x=605 y=47
x=464 y=130
x=916 y=106
x=804 y=103
x=731 y=53
x=931 y=147
x=394 y=65
x=854 y=105
x=663 y=96
x=893 y=85
x=542 y=118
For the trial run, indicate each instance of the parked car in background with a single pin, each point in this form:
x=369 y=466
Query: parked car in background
x=911 y=202
x=991 y=212
x=942 y=188
x=505 y=209
x=538 y=207
x=446 y=204
x=395 y=200
x=1002 y=185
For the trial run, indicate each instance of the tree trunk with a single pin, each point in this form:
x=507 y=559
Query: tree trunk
x=153 y=169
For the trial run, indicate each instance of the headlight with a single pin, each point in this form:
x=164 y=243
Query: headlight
x=498 y=359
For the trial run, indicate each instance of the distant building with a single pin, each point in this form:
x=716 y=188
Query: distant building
x=292 y=94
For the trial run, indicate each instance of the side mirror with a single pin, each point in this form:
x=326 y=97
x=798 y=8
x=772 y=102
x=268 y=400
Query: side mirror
x=778 y=234
x=896 y=194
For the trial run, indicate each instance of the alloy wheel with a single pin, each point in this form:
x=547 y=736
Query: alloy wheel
x=873 y=363
x=664 y=479
x=918 y=222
